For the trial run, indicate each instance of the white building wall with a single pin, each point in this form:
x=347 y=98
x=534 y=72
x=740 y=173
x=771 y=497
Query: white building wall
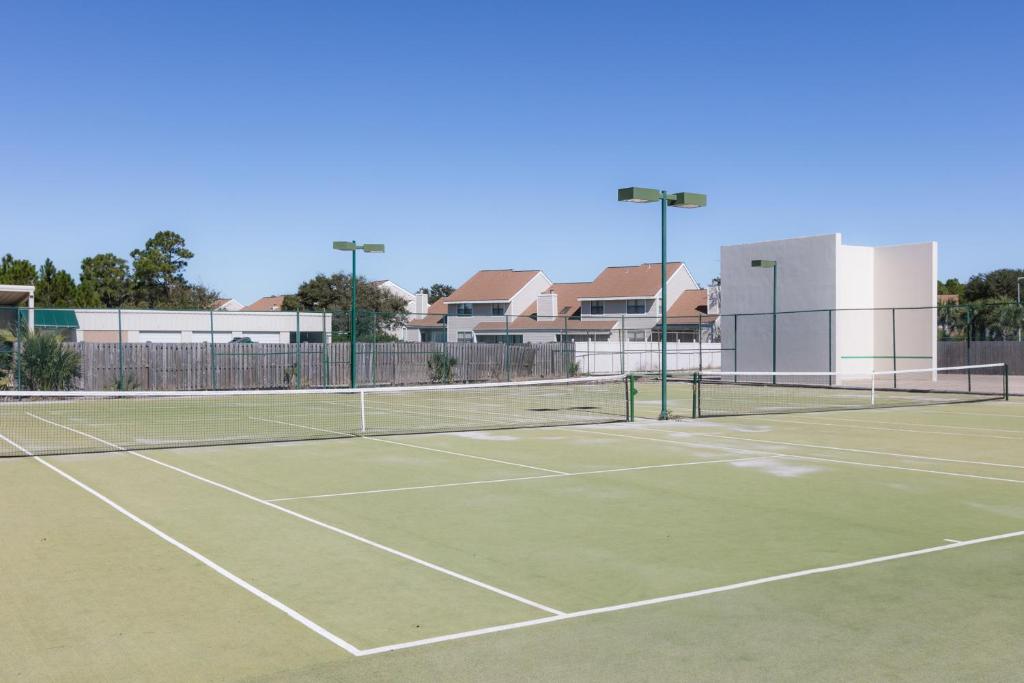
x=806 y=281
x=195 y=326
x=854 y=326
x=905 y=277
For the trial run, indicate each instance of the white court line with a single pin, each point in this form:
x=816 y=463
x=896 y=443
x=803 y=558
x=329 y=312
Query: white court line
x=410 y=445
x=950 y=540
x=905 y=469
x=541 y=476
x=849 y=450
x=323 y=525
x=925 y=424
x=691 y=594
x=785 y=420
x=793 y=455
x=242 y=583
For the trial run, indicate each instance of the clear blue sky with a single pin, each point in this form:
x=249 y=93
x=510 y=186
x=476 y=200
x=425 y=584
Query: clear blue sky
x=476 y=134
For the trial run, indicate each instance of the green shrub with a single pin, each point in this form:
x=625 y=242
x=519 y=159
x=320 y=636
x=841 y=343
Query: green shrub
x=440 y=365
x=48 y=365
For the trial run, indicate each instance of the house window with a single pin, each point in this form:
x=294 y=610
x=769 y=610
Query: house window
x=465 y=336
x=464 y=309
x=596 y=308
x=497 y=309
x=636 y=306
x=637 y=335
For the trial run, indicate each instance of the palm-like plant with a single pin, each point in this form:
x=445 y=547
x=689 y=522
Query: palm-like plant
x=47 y=364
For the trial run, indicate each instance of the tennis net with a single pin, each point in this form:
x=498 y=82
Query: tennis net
x=755 y=393
x=53 y=423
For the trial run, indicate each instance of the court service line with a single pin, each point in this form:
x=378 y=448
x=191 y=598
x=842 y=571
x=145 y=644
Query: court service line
x=783 y=420
x=849 y=462
x=410 y=445
x=540 y=476
x=692 y=594
x=851 y=450
x=905 y=469
x=925 y=424
x=238 y=581
x=317 y=522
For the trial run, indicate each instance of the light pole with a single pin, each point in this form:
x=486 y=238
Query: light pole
x=764 y=263
x=1018 y=308
x=682 y=200
x=353 y=247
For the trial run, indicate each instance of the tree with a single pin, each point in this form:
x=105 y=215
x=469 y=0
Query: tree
x=996 y=284
x=16 y=271
x=54 y=288
x=108 y=277
x=380 y=311
x=158 y=275
x=951 y=286
x=436 y=291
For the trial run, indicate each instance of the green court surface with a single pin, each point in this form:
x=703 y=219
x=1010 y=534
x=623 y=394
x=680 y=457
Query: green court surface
x=881 y=544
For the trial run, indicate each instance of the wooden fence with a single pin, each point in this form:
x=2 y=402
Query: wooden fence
x=955 y=353
x=186 y=367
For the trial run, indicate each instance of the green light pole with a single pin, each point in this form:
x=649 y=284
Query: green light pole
x=682 y=200
x=764 y=263
x=1018 y=307
x=353 y=247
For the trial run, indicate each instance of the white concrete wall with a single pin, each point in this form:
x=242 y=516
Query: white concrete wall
x=194 y=326
x=613 y=357
x=806 y=280
x=905 y=277
x=854 y=329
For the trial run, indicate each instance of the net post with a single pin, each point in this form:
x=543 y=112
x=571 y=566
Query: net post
x=1006 y=381
x=873 y=376
x=630 y=403
x=362 y=412
x=695 y=395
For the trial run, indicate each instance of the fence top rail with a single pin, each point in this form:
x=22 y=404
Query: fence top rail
x=282 y=392
x=874 y=373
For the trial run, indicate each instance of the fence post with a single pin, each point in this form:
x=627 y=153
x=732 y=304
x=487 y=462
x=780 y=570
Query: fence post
x=830 y=345
x=373 y=348
x=566 y=358
x=213 y=356
x=298 y=350
x=970 y=324
x=508 y=366
x=324 y=378
x=894 y=366
x=735 y=342
x=622 y=345
x=700 y=342
x=120 y=352
x=19 y=345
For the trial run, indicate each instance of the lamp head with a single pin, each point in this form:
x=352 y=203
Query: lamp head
x=345 y=246
x=639 y=195
x=762 y=263
x=373 y=248
x=688 y=200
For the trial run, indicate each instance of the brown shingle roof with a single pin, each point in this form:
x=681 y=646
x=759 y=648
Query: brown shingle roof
x=641 y=282
x=267 y=303
x=690 y=304
x=492 y=285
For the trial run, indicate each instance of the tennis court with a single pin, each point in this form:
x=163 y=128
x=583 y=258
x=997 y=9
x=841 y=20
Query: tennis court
x=884 y=543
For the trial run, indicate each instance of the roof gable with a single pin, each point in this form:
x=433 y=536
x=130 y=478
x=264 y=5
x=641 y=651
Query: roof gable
x=641 y=281
x=492 y=285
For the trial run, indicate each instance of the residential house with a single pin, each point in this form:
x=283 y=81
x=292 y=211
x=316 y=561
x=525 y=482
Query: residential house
x=689 y=319
x=488 y=297
x=232 y=305
x=267 y=304
x=432 y=327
